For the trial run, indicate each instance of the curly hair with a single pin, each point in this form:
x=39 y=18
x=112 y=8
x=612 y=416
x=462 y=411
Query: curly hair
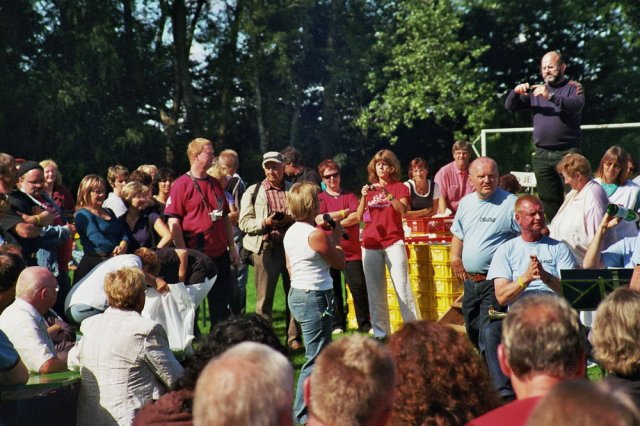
x=573 y=163
x=233 y=330
x=440 y=379
x=124 y=288
x=616 y=332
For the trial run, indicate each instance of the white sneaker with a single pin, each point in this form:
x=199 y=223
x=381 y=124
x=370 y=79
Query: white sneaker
x=337 y=330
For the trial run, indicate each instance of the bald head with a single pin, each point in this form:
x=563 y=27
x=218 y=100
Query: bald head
x=552 y=68
x=31 y=281
x=483 y=175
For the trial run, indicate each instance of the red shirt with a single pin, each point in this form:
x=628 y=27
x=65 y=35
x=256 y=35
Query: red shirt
x=515 y=413
x=346 y=200
x=186 y=203
x=385 y=226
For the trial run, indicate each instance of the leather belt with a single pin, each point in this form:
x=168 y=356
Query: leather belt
x=476 y=278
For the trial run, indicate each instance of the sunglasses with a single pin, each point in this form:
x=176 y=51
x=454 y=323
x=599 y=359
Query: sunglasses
x=333 y=175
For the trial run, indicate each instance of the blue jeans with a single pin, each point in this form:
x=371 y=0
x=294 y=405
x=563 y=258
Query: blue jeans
x=314 y=312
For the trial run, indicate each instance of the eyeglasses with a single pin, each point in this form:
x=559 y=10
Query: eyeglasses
x=331 y=176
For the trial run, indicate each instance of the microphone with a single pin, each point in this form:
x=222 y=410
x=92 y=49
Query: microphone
x=332 y=223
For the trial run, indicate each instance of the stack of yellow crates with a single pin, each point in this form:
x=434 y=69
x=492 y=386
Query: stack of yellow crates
x=434 y=286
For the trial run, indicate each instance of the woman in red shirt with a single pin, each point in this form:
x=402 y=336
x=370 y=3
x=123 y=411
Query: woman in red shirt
x=383 y=203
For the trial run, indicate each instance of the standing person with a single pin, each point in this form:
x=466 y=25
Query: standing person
x=235 y=186
x=381 y=207
x=53 y=188
x=556 y=106
x=295 y=170
x=424 y=195
x=453 y=179
x=101 y=233
x=612 y=175
x=264 y=221
x=310 y=254
x=341 y=205
x=164 y=181
x=578 y=219
x=483 y=222
x=117 y=176
x=198 y=219
x=145 y=228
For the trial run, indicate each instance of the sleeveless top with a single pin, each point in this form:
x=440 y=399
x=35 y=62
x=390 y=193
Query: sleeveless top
x=417 y=201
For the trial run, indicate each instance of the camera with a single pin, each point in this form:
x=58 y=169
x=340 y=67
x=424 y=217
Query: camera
x=278 y=215
x=214 y=215
x=371 y=188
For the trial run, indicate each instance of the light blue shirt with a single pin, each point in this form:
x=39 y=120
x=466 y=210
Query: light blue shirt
x=622 y=254
x=483 y=225
x=512 y=260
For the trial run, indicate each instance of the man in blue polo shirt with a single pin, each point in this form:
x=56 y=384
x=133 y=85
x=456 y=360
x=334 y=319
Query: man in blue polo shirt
x=483 y=222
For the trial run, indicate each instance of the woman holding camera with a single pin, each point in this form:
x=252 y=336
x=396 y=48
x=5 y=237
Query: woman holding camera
x=310 y=253
x=383 y=203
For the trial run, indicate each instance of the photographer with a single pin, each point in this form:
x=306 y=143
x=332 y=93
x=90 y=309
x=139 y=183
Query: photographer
x=264 y=221
x=198 y=219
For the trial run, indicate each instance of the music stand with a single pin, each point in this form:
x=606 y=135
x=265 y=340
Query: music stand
x=584 y=289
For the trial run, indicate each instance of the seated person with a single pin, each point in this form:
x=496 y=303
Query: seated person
x=22 y=321
x=11 y=265
x=249 y=384
x=352 y=383
x=615 y=336
x=12 y=369
x=176 y=406
x=624 y=253
x=123 y=358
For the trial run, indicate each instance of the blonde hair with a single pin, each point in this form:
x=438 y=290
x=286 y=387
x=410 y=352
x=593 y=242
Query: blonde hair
x=131 y=190
x=217 y=171
x=384 y=155
x=114 y=172
x=150 y=169
x=573 y=163
x=49 y=162
x=616 y=332
x=124 y=288
x=302 y=199
x=196 y=146
x=87 y=184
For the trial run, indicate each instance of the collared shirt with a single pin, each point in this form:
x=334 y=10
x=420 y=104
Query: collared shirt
x=26 y=329
x=277 y=200
x=454 y=184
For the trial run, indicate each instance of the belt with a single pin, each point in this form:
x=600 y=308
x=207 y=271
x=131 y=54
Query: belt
x=476 y=278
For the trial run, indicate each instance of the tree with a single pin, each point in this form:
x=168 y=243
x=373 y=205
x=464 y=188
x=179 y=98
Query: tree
x=427 y=72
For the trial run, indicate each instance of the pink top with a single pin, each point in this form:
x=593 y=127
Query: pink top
x=346 y=200
x=454 y=184
x=385 y=227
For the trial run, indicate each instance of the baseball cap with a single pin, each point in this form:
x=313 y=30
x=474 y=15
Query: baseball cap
x=272 y=157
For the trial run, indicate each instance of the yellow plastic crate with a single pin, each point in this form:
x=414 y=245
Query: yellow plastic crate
x=442 y=270
x=420 y=268
x=418 y=252
x=439 y=252
x=445 y=300
x=447 y=285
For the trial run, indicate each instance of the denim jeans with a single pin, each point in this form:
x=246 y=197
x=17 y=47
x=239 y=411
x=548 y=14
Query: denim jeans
x=314 y=312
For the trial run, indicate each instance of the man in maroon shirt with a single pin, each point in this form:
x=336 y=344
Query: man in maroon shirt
x=198 y=219
x=542 y=345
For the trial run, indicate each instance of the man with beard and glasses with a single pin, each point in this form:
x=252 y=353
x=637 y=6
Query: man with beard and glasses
x=556 y=107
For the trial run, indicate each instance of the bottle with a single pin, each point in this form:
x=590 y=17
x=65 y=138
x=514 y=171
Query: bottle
x=624 y=213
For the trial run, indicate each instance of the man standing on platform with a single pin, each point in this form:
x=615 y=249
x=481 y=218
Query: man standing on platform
x=198 y=218
x=453 y=179
x=556 y=107
x=264 y=221
x=483 y=222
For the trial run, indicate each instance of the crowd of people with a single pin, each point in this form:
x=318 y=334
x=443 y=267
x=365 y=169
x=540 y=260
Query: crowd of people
x=524 y=346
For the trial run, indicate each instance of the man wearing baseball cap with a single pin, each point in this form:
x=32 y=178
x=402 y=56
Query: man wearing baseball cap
x=264 y=220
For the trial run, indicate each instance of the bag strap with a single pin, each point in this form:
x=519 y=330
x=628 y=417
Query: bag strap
x=199 y=191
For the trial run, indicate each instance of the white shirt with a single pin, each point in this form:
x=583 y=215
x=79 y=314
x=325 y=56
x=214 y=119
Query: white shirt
x=115 y=203
x=124 y=361
x=26 y=329
x=309 y=271
x=90 y=289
